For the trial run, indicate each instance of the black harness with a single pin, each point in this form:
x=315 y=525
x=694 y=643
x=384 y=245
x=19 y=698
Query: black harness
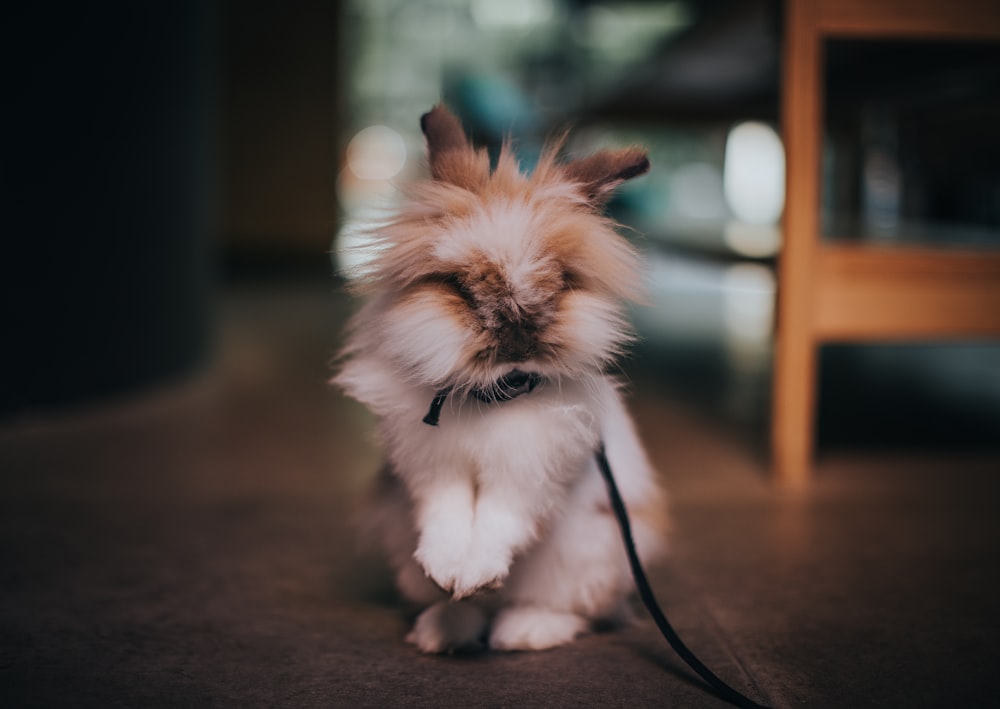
x=509 y=386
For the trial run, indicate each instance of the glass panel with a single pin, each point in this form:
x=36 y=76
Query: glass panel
x=912 y=150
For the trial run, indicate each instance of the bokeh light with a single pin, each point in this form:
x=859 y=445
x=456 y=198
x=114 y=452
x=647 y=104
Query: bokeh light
x=754 y=173
x=376 y=153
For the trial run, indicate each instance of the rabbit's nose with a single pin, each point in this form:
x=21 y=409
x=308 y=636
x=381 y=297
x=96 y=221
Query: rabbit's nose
x=515 y=342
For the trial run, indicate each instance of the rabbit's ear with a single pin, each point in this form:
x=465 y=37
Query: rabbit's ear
x=599 y=174
x=446 y=142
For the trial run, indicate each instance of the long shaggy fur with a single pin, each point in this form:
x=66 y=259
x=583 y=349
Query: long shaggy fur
x=496 y=521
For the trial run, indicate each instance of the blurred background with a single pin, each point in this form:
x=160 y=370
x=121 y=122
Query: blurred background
x=159 y=155
x=179 y=483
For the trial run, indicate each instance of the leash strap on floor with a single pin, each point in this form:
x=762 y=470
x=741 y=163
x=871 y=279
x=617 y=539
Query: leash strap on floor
x=646 y=593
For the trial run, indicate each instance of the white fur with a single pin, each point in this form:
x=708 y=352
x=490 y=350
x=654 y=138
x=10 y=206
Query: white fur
x=500 y=511
x=507 y=497
x=534 y=628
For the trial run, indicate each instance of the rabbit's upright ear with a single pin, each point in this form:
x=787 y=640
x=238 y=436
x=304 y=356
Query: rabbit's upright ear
x=449 y=152
x=443 y=131
x=599 y=174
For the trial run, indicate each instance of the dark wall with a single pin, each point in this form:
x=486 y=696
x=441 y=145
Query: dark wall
x=143 y=143
x=108 y=179
x=281 y=119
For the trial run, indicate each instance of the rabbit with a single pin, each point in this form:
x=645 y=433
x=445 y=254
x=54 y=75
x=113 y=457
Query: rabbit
x=496 y=308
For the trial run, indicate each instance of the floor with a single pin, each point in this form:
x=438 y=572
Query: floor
x=193 y=547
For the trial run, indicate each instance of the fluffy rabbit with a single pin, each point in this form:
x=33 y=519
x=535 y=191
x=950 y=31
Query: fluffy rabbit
x=495 y=312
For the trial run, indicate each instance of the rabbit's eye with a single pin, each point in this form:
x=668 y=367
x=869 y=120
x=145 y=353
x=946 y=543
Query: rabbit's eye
x=453 y=283
x=570 y=281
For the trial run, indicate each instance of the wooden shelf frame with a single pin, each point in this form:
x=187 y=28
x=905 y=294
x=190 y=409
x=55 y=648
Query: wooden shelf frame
x=856 y=291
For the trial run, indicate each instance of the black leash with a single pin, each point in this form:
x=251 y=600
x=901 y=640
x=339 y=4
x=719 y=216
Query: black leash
x=646 y=593
x=517 y=383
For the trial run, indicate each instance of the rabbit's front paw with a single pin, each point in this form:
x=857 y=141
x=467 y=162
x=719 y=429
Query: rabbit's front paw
x=442 y=557
x=480 y=572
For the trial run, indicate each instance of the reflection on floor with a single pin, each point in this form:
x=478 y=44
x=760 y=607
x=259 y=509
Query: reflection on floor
x=194 y=547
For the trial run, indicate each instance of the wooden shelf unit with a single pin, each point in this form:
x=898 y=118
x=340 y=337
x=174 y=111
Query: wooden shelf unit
x=858 y=291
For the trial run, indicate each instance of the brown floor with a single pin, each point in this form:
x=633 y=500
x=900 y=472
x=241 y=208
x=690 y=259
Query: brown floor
x=193 y=547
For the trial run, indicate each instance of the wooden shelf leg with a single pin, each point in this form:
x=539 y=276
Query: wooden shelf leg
x=794 y=407
x=794 y=392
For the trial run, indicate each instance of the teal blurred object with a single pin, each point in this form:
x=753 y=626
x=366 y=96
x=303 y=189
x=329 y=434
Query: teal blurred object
x=496 y=109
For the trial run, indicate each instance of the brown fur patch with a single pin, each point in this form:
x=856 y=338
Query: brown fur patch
x=585 y=242
x=449 y=302
x=593 y=255
x=570 y=247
